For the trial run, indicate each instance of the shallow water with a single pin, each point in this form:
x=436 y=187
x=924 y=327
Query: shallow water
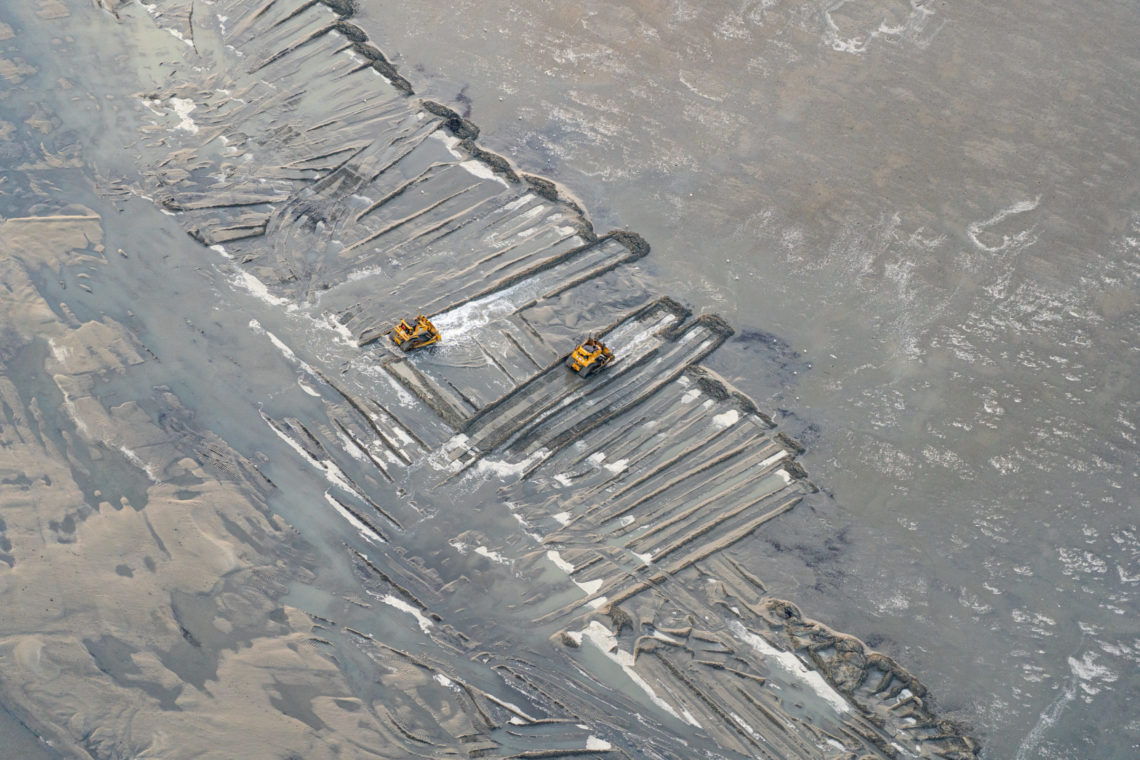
x=925 y=220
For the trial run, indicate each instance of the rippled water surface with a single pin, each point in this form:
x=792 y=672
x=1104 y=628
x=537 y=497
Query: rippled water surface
x=924 y=219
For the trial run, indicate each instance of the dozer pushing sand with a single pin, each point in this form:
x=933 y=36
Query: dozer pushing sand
x=589 y=357
x=410 y=337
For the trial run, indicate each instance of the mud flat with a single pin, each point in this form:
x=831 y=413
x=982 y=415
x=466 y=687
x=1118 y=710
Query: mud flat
x=140 y=607
x=492 y=557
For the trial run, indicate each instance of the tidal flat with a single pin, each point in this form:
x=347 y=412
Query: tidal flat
x=238 y=520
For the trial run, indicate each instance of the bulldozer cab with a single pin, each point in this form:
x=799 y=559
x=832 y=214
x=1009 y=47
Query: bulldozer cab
x=589 y=357
x=412 y=336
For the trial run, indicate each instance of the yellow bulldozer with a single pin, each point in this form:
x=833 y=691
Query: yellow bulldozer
x=410 y=337
x=589 y=357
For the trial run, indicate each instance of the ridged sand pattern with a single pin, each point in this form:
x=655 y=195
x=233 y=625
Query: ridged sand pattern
x=336 y=196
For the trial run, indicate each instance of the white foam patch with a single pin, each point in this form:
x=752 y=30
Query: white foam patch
x=773 y=459
x=462 y=320
x=667 y=638
x=562 y=564
x=182 y=108
x=522 y=521
x=255 y=287
x=396 y=430
x=590 y=587
x=606 y=642
x=277 y=342
x=695 y=90
x=350 y=53
x=532 y=213
x=510 y=469
x=449 y=141
x=137 y=461
x=977 y=228
x=350 y=447
x=1093 y=676
x=562 y=517
x=402 y=394
x=59 y=352
x=332 y=472
x=594 y=743
x=519 y=202
x=1046 y=720
x=510 y=706
x=494 y=556
x=73 y=413
x=756 y=736
x=636 y=338
x=365 y=532
x=181 y=38
x=360 y=274
x=402 y=606
x=617 y=467
x=289 y=356
x=347 y=338
x=726 y=419
x=1125 y=577
x=690 y=396
x=791 y=664
x=482 y=171
x=911 y=28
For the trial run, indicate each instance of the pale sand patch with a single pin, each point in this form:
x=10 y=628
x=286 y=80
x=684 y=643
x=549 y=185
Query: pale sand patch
x=51 y=9
x=89 y=578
